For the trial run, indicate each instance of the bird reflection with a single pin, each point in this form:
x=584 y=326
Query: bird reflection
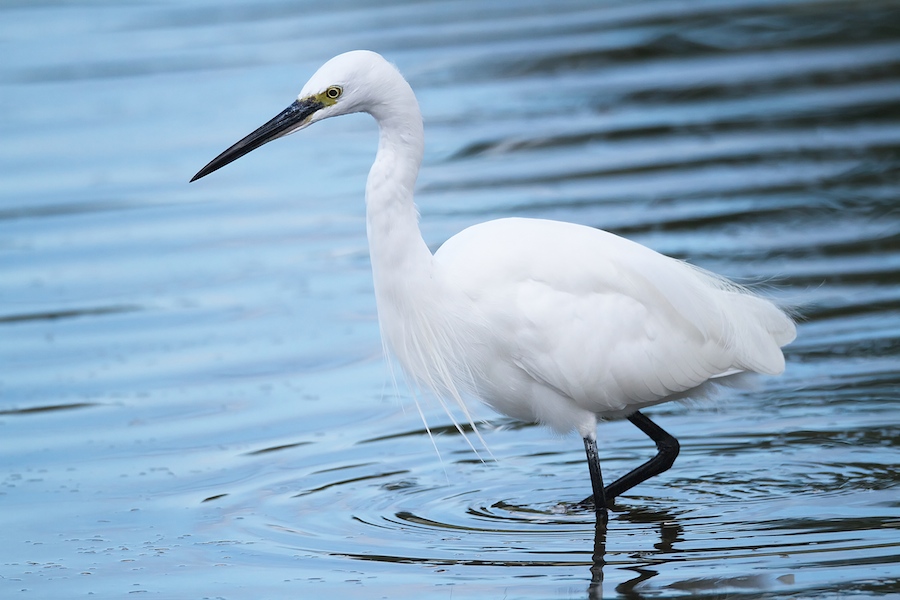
x=598 y=560
x=670 y=532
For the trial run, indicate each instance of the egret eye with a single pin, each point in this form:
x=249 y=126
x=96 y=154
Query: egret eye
x=334 y=92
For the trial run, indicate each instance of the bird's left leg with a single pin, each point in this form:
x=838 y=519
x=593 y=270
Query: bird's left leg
x=667 y=447
x=593 y=459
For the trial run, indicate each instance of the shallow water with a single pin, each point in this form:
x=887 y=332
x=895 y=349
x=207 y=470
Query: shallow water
x=193 y=401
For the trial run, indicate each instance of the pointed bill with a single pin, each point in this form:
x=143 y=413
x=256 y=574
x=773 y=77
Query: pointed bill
x=285 y=122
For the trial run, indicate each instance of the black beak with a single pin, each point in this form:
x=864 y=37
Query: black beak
x=284 y=123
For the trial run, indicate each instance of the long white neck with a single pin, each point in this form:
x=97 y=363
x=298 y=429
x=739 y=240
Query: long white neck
x=400 y=258
x=417 y=310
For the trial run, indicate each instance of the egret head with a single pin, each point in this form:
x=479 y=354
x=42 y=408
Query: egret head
x=345 y=84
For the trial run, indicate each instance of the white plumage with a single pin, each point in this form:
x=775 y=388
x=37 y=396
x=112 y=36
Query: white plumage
x=545 y=321
x=582 y=324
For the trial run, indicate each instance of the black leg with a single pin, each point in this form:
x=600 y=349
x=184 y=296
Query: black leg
x=593 y=459
x=668 y=451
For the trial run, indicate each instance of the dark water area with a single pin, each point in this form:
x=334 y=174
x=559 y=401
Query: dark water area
x=193 y=397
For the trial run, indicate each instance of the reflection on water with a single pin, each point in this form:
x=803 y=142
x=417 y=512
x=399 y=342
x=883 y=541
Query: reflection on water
x=193 y=401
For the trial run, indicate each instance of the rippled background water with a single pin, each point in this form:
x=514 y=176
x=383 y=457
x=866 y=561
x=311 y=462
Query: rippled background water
x=193 y=401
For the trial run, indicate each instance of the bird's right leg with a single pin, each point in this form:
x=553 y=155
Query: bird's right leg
x=667 y=447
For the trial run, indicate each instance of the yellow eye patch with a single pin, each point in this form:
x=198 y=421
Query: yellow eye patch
x=330 y=95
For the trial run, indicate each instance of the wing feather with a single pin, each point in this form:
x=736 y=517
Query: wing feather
x=605 y=321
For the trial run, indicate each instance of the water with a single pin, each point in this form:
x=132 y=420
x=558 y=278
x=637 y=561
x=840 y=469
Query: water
x=193 y=401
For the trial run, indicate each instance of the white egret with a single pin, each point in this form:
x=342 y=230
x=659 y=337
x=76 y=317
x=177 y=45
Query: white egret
x=544 y=321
